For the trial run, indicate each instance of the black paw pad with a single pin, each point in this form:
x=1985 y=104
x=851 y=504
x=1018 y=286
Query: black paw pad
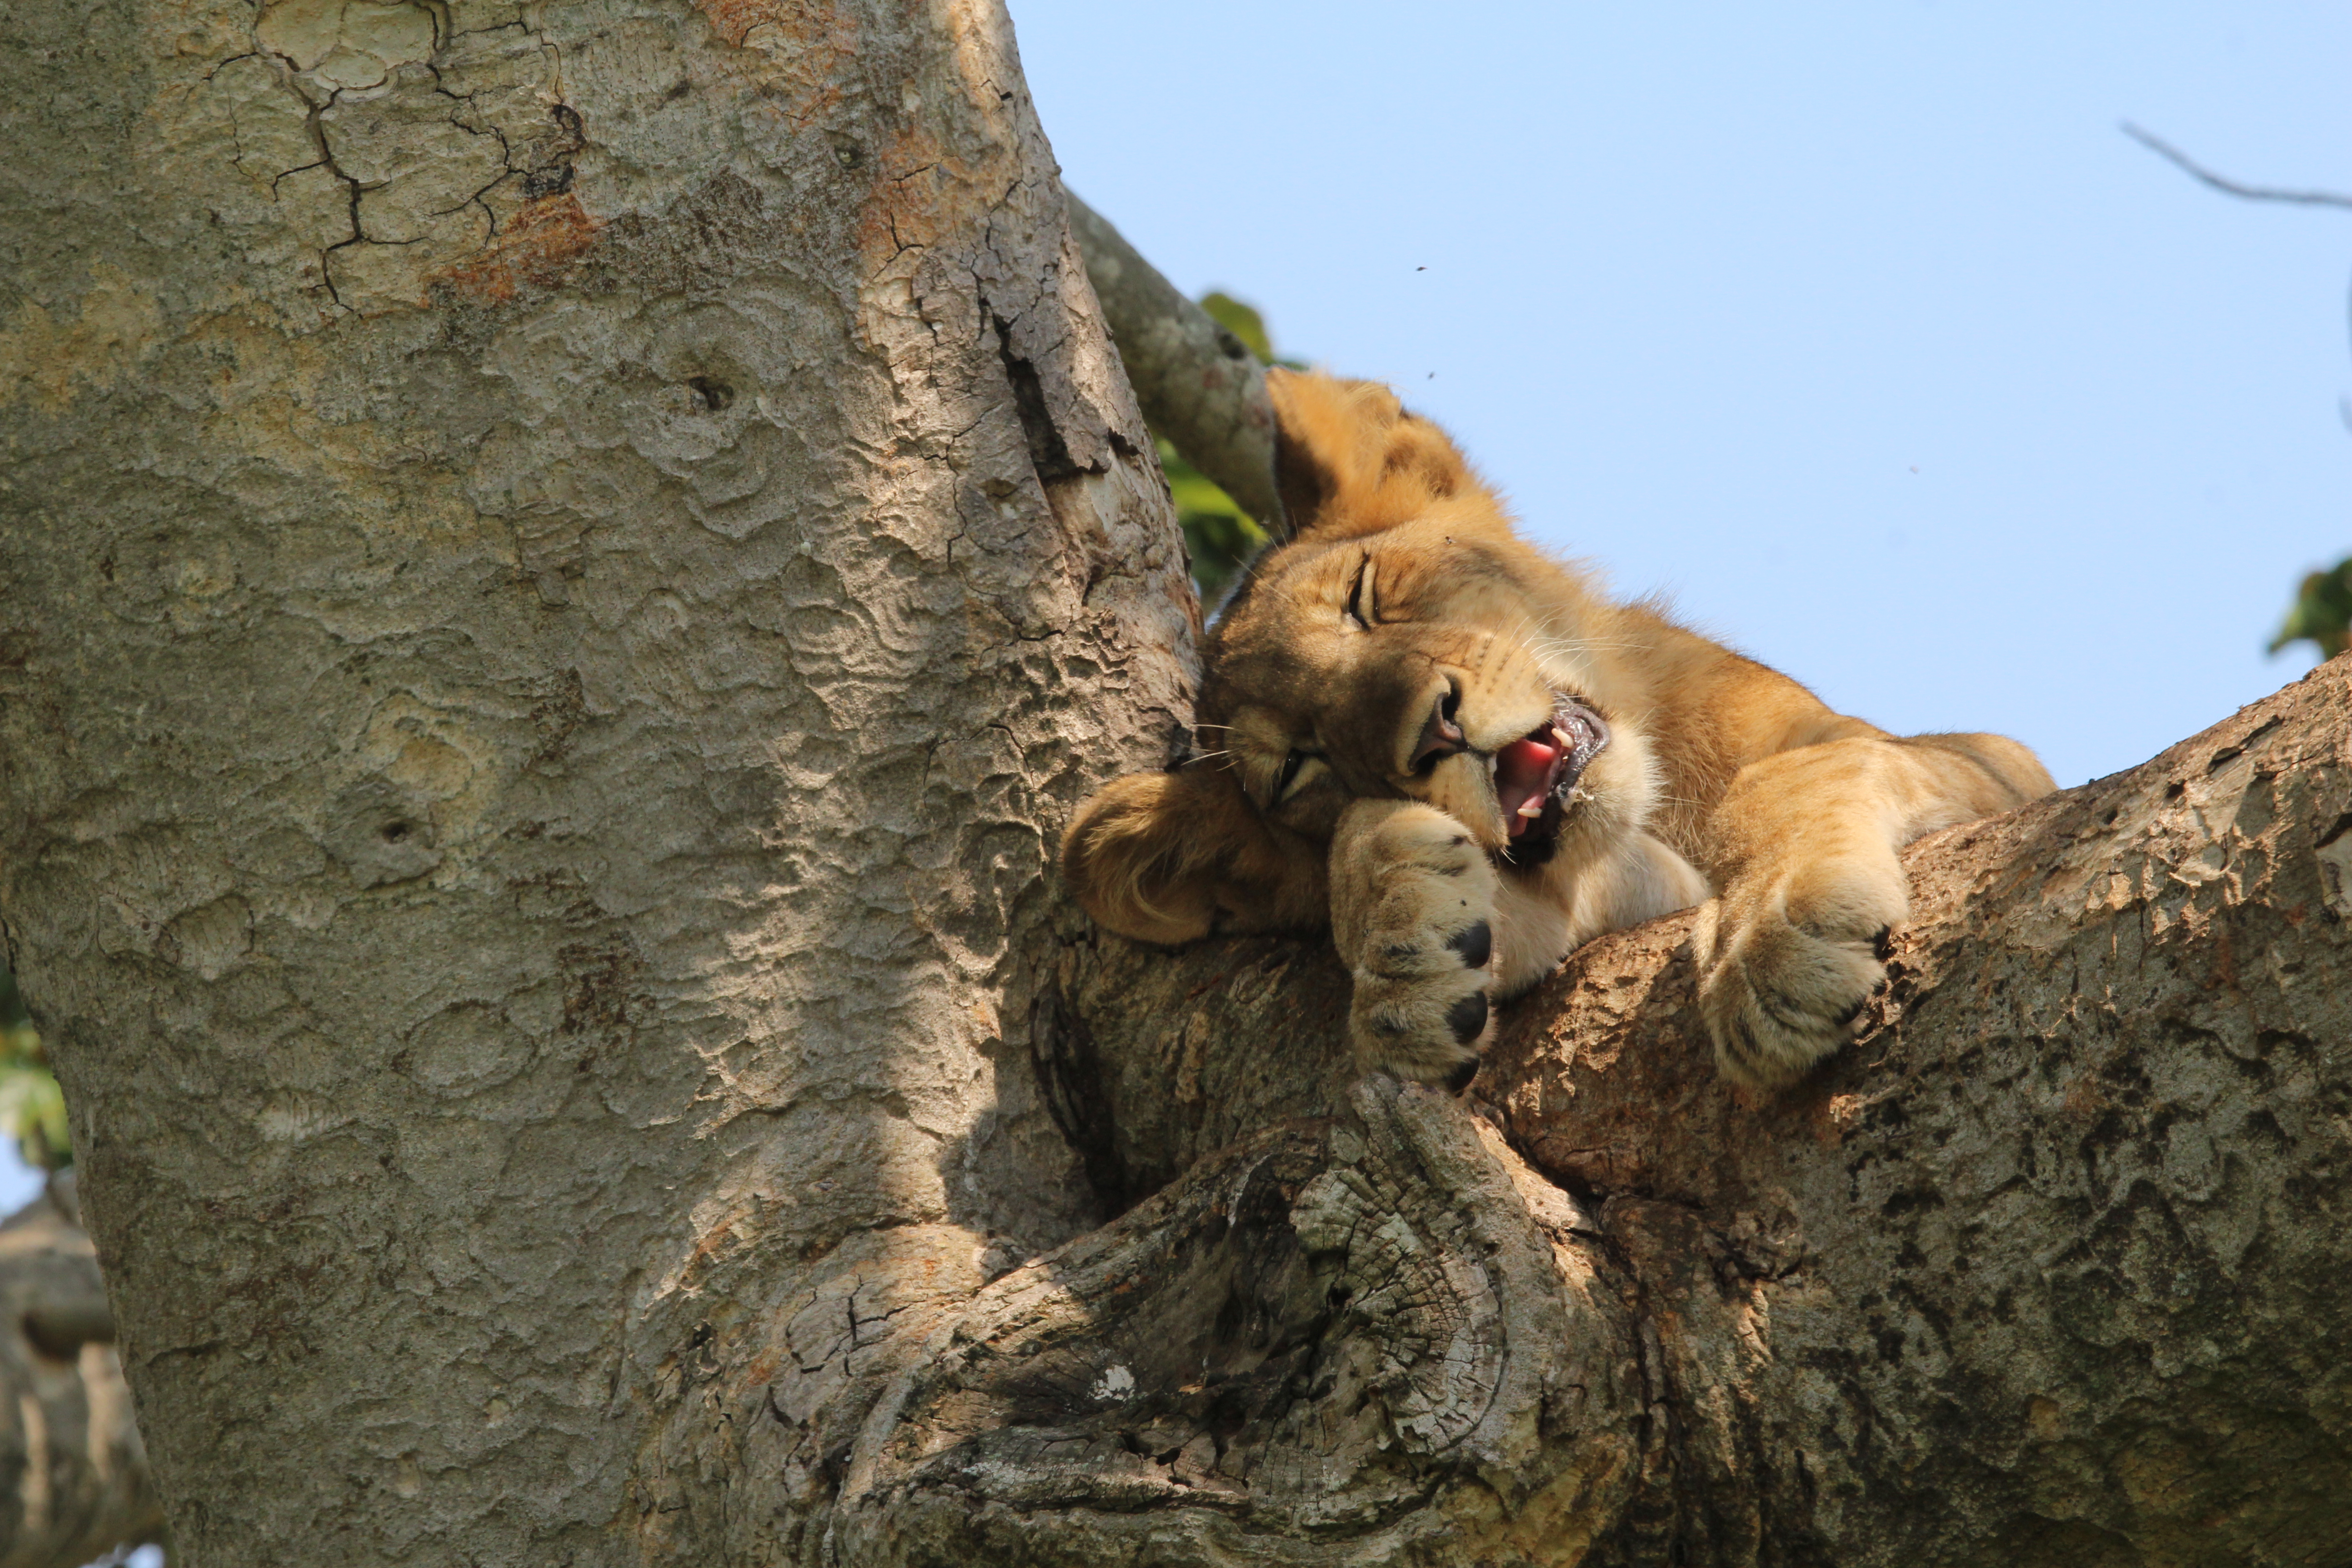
x=1475 y=944
x=1883 y=944
x=1851 y=1014
x=1468 y=1017
x=1459 y=1078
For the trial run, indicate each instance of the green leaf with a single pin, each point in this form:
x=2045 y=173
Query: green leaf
x=32 y=1111
x=2322 y=612
x=32 y=1105
x=1242 y=320
x=1220 y=535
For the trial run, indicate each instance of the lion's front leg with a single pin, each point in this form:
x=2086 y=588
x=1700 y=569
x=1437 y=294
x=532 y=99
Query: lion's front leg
x=1806 y=847
x=1790 y=956
x=1413 y=913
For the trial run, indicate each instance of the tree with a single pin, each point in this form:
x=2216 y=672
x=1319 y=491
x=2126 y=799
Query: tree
x=565 y=566
x=588 y=555
x=1199 y=374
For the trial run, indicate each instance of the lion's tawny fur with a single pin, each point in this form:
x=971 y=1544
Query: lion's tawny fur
x=1361 y=685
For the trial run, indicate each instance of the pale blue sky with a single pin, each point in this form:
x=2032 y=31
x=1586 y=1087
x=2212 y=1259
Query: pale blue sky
x=1705 y=285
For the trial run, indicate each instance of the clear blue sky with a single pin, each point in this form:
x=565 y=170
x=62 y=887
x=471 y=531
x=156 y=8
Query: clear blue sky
x=1860 y=329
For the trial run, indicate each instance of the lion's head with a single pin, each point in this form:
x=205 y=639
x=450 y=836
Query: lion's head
x=1402 y=641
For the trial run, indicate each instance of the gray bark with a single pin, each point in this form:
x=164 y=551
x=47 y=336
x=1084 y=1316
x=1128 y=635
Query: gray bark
x=77 y=1482
x=565 y=566
x=564 y=563
x=1199 y=384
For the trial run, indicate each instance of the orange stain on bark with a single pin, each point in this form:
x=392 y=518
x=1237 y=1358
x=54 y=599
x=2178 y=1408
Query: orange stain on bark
x=543 y=238
x=729 y=1229
x=807 y=46
x=900 y=212
x=736 y=19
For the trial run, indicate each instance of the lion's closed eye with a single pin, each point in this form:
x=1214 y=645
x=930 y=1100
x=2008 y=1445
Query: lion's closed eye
x=1299 y=768
x=1362 y=611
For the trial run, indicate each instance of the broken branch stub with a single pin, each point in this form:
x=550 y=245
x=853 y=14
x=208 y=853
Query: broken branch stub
x=1343 y=1340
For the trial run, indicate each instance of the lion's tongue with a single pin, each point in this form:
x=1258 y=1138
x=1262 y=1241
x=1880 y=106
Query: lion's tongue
x=1522 y=774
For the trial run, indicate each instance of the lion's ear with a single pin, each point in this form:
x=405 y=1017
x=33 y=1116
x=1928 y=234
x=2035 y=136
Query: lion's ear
x=1349 y=458
x=1168 y=857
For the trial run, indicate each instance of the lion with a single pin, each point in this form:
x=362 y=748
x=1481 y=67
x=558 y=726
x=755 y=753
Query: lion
x=1418 y=729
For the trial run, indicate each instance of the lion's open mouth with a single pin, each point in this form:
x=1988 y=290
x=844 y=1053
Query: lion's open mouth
x=1535 y=777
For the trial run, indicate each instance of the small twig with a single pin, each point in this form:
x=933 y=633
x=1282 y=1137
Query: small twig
x=2222 y=182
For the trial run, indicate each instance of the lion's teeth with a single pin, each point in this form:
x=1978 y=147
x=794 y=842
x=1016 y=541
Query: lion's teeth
x=1533 y=808
x=1561 y=736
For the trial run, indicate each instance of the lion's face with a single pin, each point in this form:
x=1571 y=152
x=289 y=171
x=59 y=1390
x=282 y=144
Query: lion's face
x=1414 y=661
x=1404 y=644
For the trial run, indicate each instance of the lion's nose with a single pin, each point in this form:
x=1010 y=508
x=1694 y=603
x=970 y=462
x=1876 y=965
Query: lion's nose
x=1441 y=737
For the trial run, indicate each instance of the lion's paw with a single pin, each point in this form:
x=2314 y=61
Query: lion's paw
x=1412 y=902
x=1786 y=969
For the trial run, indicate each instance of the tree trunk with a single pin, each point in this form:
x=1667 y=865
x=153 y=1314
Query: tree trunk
x=1197 y=383
x=565 y=565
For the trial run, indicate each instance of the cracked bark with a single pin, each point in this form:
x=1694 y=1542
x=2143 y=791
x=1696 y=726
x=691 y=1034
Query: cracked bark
x=529 y=789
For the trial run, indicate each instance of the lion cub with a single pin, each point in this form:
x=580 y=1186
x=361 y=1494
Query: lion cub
x=1421 y=729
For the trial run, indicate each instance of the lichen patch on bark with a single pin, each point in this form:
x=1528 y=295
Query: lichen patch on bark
x=46 y=361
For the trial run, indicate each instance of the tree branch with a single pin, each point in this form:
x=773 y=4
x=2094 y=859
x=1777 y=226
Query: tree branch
x=2045 y=1269
x=2228 y=186
x=1198 y=385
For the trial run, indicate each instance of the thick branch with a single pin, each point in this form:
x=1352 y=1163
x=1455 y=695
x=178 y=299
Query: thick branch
x=2046 y=1268
x=1199 y=384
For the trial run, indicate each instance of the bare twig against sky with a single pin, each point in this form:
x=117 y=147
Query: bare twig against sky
x=2221 y=183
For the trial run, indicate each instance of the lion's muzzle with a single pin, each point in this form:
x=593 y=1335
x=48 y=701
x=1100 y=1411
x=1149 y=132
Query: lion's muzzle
x=1540 y=771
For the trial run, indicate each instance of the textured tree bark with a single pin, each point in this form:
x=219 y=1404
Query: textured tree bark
x=564 y=565
x=78 y=1478
x=2047 y=1269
